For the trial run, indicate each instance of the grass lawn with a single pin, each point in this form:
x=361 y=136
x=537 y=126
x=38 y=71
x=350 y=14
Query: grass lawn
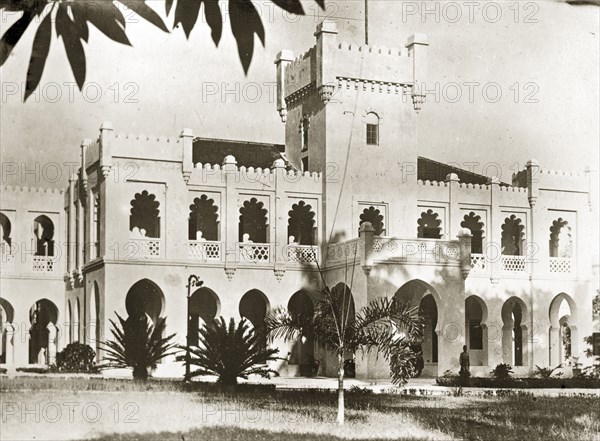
x=120 y=410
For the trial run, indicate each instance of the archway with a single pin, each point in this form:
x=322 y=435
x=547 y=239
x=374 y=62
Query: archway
x=204 y=305
x=144 y=220
x=43 y=230
x=561 y=242
x=512 y=236
x=253 y=222
x=43 y=333
x=429 y=225
x=301 y=308
x=476 y=330
x=5 y=231
x=563 y=333
x=76 y=321
x=473 y=222
x=7 y=330
x=70 y=322
x=203 y=220
x=254 y=306
x=301 y=224
x=514 y=332
x=93 y=327
x=374 y=216
x=347 y=314
x=418 y=293
x=145 y=297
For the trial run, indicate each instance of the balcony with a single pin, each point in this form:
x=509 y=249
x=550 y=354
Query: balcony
x=560 y=264
x=416 y=250
x=43 y=264
x=205 y=251
x=144 y=248
x=514 y=264
x=255 y=253
x=302 y=253
x=478 y=263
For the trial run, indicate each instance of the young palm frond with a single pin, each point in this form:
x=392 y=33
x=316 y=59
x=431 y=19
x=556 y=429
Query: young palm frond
x=137 y=344
x=230 y=352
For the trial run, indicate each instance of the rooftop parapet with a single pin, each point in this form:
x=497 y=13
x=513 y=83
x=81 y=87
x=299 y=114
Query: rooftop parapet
x=323 y=64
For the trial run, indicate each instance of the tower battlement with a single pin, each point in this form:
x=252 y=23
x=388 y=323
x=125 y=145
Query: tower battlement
x=323 y=65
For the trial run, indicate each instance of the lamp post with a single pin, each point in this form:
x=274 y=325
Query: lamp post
x=193 y=281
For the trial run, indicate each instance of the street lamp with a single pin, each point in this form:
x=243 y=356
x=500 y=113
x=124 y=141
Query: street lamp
x=193 y=281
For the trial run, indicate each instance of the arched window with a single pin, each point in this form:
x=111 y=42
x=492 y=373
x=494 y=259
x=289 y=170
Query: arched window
x=253 y=222
x=95 y=230
x=5 y=229
x=43 y=229
x=473 y=223
x=203 y=222
x=301 y=224
x=429 y=225
x=372 y=121
x=374 y=216
x=512 y=236
x=561 y=243
x=144 y=220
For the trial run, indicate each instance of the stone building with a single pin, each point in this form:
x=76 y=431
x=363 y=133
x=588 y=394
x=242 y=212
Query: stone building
x=505 y=268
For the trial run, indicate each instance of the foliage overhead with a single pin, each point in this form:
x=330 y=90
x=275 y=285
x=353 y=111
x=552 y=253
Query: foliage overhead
x=73 y=17
x=137 y=344
x=230 y=352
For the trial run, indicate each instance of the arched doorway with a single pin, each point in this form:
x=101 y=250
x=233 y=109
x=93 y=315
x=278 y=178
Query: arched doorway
x=563 y=333
x=76 y=321
x=343 y=297
x=93 y=328
x=7 y=330
x=145 y=297
x=254 y=306
x=301 y=308
x=418 y=293
x=70 y=322
x=476 y=337
x=43 y=333
x=514 y=332
x=205 y=306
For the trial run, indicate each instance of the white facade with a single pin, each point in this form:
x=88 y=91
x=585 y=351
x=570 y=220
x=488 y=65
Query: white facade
x=141 y=217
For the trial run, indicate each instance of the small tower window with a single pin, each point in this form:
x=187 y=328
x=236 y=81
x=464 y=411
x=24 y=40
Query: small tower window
x=304 y=129
x=372 y=129
x=305 y=163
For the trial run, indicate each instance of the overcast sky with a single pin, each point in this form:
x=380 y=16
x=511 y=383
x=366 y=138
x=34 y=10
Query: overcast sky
x=543 y=55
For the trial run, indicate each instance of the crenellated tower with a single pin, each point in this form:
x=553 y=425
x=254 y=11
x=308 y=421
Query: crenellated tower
x=350 y=113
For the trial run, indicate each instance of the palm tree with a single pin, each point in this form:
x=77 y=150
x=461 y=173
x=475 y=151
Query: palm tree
x=230 y=352
x=384 y=325
x=138 y=344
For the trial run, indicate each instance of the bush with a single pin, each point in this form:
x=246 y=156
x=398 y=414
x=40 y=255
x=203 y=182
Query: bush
x=229 y=352
x=349 y=369
x=520 y=383
x=76 y=357
x=544 y=372
x=2 y=370
x=502 y=371
x=34 y=370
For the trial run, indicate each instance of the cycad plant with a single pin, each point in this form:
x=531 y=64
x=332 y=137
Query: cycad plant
x=137 y=344
x=386 y=326
x=230 y=352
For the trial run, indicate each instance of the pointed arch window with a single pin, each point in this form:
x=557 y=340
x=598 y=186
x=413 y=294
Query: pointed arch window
x=301 y=224
x=473 y=222
x=203 y=221
x=374 y=216
x=429 y=225
x=561 y=242
x=512 y=236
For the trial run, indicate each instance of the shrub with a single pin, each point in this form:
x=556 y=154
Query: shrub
x=2 y=370
x=76 y=357
x=229 y=352
x=502 y=370
x=137 y=344
x=349 y=368
x=544 y=372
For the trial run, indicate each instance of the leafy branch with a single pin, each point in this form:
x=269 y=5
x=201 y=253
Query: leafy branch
x=72 y=19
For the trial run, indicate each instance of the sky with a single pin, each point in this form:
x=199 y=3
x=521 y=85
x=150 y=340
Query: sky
x=509 y=81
